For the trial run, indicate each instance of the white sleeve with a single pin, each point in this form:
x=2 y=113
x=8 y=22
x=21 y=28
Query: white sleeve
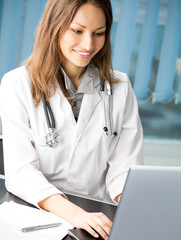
x=21 y=160
x=129 y=149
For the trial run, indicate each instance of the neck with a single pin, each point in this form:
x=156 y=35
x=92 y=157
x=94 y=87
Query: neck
x=74 y=74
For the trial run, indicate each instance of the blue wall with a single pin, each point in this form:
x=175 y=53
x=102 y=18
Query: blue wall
x=18 y=22
x=136 y=43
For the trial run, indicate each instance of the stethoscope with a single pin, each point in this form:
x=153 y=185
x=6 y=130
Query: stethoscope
x=52 y=137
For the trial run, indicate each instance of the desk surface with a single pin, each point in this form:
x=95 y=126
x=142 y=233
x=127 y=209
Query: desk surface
x=87 y=204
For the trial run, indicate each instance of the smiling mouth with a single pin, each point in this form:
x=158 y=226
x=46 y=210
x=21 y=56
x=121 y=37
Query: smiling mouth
x=83 y=54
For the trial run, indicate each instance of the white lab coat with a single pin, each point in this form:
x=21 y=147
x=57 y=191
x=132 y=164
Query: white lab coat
x=86 y=160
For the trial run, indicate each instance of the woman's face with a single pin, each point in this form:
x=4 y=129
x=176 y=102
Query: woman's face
x=83 y=39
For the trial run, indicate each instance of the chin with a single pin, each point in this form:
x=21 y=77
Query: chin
x=82 y=65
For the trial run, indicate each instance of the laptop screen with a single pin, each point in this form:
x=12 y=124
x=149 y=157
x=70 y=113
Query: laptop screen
x=150 y=206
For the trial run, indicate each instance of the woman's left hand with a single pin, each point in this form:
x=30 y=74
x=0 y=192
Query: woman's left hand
x=118 y=198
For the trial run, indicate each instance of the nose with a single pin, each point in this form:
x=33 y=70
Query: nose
x=87 y=42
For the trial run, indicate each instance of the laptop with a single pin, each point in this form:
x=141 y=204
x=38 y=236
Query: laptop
x=149 y=208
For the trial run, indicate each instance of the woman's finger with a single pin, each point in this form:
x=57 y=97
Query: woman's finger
x=101 y=226
x=94 y=223
x=90 y=230
x=105 y=219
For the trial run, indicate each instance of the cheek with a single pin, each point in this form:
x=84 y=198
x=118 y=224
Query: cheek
x=66 y=42
x=100 y=43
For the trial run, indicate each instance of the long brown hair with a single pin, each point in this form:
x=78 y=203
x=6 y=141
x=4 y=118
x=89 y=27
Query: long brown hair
x=43 y=65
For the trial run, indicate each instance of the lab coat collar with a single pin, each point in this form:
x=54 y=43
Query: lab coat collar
x=89 y=102
x=86 y=84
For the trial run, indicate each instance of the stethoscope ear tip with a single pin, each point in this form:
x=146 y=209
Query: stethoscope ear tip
x=111 y=135
x=105 y=129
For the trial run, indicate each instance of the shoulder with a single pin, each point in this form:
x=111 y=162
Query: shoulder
x=123 y=90
x=15 y=77
x=123 y=84
x=122 y=77
x=15 y=85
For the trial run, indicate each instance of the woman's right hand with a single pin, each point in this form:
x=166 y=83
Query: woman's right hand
x=93 y=223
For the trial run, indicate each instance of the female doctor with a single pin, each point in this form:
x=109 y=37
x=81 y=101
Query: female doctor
x=70 y=123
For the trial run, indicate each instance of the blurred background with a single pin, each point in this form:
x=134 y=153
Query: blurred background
x=146 y=44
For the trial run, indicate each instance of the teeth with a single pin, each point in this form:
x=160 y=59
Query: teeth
x=83 y=53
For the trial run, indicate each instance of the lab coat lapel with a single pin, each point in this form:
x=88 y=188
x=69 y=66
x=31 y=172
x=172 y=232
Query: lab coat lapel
x=66 y=108
x=89 y=103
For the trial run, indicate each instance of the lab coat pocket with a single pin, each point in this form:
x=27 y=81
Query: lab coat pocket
x=46 y=154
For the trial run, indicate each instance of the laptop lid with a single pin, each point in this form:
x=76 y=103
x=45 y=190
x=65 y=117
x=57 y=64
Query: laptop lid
x=150 y=206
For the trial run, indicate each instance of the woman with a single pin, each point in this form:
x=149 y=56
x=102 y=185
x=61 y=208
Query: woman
x=70 y=68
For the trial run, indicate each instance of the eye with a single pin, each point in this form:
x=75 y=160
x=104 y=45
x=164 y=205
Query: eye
x=99 y=34
x=76 y=31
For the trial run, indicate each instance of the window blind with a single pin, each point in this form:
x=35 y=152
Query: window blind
x=164 y=87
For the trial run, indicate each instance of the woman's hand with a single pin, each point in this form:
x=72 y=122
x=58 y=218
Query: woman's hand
x=91 y=222
x=118 y=198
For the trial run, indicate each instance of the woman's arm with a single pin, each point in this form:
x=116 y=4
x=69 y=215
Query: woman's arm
x=91 y=222
x=23 y=175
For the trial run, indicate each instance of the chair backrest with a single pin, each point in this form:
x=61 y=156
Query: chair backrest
x=1 y=158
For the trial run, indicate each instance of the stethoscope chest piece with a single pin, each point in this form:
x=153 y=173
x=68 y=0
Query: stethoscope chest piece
x=52 y=138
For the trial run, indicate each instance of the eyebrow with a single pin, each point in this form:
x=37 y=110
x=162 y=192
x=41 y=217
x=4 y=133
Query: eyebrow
x=85 y=26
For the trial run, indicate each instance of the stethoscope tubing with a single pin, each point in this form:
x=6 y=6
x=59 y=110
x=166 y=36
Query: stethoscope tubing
x=48 y=112
x=110 y=114
x=52 y=138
